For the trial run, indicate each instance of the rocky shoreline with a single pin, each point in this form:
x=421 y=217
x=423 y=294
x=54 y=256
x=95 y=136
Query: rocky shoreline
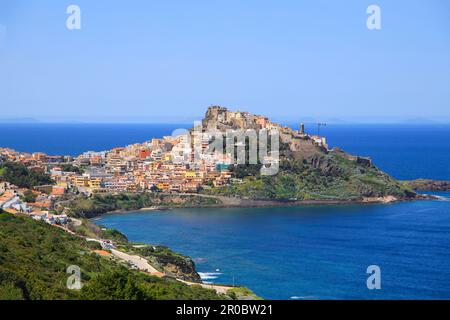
x=184 y=267
x=429 y=185
x=229 y=202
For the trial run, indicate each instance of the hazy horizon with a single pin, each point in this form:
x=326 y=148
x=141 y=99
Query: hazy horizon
x=185 y=121
x=160 y=62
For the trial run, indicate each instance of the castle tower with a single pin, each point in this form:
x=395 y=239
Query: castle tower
x=302 y=128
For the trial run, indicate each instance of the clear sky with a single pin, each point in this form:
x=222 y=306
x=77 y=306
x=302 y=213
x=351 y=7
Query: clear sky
x=166 y=61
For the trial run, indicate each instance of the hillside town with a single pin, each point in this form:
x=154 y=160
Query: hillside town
x=12 y=201
x=168 y=164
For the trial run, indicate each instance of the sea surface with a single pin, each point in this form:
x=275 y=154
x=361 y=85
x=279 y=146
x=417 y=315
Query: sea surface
x=76 y=138
x=404 y=151
x=308 y=252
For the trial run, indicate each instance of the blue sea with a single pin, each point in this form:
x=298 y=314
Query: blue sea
x=307 y=252
x=404 y=151
x=76 y=138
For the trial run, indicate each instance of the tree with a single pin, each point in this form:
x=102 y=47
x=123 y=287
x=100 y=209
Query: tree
x=115 y=285
x=19 y=175
x=29 y=196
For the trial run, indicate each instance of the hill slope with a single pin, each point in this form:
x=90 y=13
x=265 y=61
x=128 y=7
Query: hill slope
x=34 y=257
x=309 y=169
x=323 y=177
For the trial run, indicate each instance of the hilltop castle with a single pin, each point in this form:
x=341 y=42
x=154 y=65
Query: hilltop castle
x=220 y=118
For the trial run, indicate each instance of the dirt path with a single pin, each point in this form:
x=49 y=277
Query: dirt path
x=143 y=265
x=139 y=262
x=218 y=288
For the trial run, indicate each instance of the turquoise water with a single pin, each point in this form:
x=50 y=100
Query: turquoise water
x=310 y=252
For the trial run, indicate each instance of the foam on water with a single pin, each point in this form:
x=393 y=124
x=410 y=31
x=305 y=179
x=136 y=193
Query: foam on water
x=209 y=275
x=442 y=198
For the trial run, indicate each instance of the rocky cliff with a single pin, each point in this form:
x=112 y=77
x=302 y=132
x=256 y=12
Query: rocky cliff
x=169 y=262
x=429 y=185
x=309 y=169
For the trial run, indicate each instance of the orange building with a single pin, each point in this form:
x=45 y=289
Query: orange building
x=58 y=190
x=144 y=153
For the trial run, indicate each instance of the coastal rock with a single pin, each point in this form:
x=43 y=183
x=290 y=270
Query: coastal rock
x=386 y=199
x=309 y=169
x=325 y=165
x=429 y=185
x=170 y=262
x=184 y=269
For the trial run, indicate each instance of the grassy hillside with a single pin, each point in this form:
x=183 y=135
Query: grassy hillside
x=322 y=177
x=19 y=175
x=34 y=257
x=166 y=260
x=160 y=257
x=103 y=203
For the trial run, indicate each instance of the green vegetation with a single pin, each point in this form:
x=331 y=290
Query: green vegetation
x=103 y=203
x=161 y=257
x=34 y=257
x=91 y=230
x=19 y=175
x=166 y=260
x=29 y=196
x=321 y=177
x=68 y=167
x=114 y=235
x=241 y=171
x=242 y=293
x=428 y=185
x=124 y=285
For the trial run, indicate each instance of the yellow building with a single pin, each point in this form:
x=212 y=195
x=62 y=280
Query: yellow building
x=81 y=181
x=95 y=183
x=163 y=186
x=189 y=174
x=62 y=184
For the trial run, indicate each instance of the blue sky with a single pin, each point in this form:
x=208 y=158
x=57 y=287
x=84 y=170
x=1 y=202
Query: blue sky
x=166 y=61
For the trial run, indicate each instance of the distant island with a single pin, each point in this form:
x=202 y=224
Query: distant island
x=19 y=120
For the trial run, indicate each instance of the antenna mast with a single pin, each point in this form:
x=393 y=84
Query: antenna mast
x=320 y=124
